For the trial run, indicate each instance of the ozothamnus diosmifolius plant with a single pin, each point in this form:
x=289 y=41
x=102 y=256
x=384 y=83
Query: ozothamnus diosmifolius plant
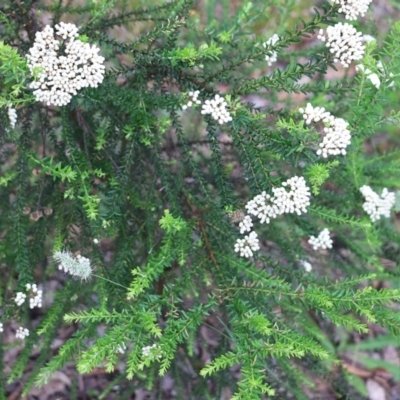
x=181 y=172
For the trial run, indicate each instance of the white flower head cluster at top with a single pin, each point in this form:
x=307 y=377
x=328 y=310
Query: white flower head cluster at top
x=377 y=206
x=193 y=99
x=296 y=200
x=353 y=8
x=12 y=116
x=146 y=351
x=78 y=266
x=22 y=333
x=217 y=109
x=274 y=55
x=323 y=240
x=337 y=136
x=246 y=246
x=344 y=42
x=61 y=76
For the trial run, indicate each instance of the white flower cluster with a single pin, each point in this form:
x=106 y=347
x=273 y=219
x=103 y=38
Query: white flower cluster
x=323 y=240
x=193 y=99
x=35 y=296
x=246 y=224
x=1 y=327
x=217 y=109
x=292 y=197
x=147 y=350
x=246 y=246
x=12 y=116
x=78 y=266
x=22 y=333
x=337 y=136
x=344 y=41
x=61 y=76
x=353 y=8
x=20 y=298
x=377 y=206
x=274 y=55
x=296 y=200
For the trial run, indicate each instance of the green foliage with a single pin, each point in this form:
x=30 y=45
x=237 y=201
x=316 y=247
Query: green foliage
x=153 y=195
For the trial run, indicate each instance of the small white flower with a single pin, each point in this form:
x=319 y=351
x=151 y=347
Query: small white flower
x=274 y=55
x=374 y=78
x=193 y=99
x=217 y=109
x=12 y=116
x=147 y=350
x=377 y=206
x=368 y=38
x=323 y=240
x=353 y=8
x=78 y=266
x=306 y=265
x=246 y=224
x=1 y=327
x=247 y=245
x=22 y=333
x=96 y=241
x=344 y=42
x=382 y=70
x=20 y=298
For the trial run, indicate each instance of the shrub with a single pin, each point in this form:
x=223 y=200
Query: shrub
x=195 y=177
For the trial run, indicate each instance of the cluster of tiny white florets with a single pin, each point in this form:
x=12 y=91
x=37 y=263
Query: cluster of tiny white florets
x=296 y=200
x=274 y=55
x=337 y=136
x=246 y=246
x=20 y=298
x=147 y=350
x=193 y=99
x=344 y=42
x=78 y=266
x=22 y=333
x=12 y=116
x=1 y=327
x=315 y=114
x=61 y=76
x=246 y=224
x=377 y=206
x=35 y=296
x=217 y=109
x=323 y=240
x=353 y=8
